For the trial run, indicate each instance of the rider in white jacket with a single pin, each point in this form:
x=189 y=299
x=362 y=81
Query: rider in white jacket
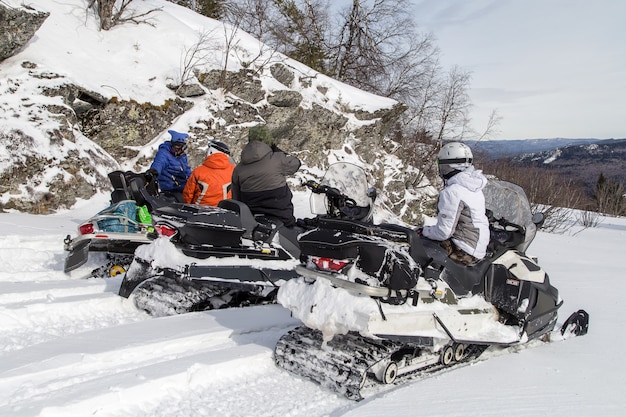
x=462 y=224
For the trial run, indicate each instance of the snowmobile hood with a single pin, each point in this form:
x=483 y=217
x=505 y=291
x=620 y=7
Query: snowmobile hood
x=254 y=151
x=471 y=178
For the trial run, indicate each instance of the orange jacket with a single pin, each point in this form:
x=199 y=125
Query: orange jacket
x=210 y=182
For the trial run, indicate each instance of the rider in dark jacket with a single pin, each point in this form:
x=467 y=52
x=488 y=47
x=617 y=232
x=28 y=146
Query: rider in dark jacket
x=259 y=180
x=171 y=167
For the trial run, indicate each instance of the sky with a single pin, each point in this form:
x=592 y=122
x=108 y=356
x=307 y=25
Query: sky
x=71 y=347
x=551 y=69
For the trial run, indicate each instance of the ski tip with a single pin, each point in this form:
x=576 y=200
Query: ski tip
x=577 y=324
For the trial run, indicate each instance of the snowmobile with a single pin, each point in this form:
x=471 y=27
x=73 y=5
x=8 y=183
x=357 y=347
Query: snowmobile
x=205 y=257
x=380 y=301
x=115 y=232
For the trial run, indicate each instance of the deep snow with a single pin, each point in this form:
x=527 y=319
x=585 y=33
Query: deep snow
x=70 y=346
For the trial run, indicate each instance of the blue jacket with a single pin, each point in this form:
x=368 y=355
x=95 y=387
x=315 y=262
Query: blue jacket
x=173 y=170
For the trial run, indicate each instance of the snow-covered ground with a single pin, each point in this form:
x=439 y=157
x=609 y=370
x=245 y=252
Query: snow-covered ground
x=70 y=346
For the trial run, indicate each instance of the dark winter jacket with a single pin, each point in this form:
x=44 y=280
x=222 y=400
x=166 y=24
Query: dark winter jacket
x=259 y=180
x=173 y=170
x=210 y=182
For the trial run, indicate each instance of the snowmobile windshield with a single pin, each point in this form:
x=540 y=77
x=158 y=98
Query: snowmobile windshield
x=508 y=201
x=350 y=180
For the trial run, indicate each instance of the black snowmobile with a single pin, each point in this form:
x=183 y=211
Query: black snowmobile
x=208 y=257
x=401 y=305
x=113 y=234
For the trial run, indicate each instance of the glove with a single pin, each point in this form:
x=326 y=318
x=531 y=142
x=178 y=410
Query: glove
x=420 y=231
x=151 y=174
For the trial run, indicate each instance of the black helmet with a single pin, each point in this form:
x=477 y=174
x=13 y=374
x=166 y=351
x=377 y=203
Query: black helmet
x=217 y=146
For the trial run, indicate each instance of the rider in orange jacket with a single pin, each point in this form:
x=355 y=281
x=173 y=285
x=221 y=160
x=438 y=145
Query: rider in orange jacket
x=211 y=182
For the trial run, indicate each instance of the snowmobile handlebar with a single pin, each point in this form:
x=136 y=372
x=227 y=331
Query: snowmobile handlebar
x=318 y=188
x=335 y=196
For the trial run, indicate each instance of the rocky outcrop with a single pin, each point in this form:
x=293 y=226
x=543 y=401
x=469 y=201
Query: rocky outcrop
x=17 y=27
x=296 y=127
x=122 y=127
x=78 y=135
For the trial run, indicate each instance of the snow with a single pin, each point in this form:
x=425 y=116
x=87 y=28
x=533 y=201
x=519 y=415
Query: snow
x=70 y=346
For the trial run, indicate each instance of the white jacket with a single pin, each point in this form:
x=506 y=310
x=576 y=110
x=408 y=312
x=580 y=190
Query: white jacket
x=461 y=213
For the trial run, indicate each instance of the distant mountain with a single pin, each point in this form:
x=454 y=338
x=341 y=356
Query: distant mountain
x=581 y=160
x=507 y=148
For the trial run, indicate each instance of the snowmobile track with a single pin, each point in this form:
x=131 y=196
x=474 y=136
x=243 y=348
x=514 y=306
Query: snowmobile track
x=343 y=364
x=167 y=295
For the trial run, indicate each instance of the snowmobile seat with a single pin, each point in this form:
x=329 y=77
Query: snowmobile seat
x=248 y=222
x=141 y=195
x=120 y=187
x=463 y=279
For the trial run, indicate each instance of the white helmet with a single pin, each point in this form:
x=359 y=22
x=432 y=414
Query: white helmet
x=453 y=158
x=216 y=146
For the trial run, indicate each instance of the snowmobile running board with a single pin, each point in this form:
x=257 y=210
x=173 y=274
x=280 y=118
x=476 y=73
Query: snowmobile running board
x=475 y=342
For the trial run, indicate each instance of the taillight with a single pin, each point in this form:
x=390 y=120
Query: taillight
x=329 y=264
x=165 y=230
x=86 y=229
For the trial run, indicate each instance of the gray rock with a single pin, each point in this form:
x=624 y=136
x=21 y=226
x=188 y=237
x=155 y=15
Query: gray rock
x=17 y=27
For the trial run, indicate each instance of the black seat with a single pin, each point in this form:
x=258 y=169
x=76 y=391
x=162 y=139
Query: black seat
x=120 y=187
x=142 y=197
x=247 y=219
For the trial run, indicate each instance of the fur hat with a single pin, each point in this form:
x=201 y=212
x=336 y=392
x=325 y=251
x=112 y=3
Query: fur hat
x=261 y=134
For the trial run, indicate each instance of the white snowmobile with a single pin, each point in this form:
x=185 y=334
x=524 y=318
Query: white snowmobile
x=381 y=301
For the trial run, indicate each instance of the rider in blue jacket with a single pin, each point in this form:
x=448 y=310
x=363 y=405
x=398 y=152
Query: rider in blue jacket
x=171 y=167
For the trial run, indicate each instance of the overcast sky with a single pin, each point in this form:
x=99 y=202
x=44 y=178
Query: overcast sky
x=551 y=68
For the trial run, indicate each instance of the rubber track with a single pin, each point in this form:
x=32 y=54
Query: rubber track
x=112 y=259
x=164 y=295
x=343 y=364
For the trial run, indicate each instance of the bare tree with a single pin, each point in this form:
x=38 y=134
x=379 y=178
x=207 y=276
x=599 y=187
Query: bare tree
x=256 y=16
x=492 y=127
x=453 y=104
x=110 y=16
x=609 y=196
x=197 y=55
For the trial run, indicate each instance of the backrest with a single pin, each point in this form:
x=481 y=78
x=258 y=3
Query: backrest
x=120 y=188
x=247 y=219
x=140 y=194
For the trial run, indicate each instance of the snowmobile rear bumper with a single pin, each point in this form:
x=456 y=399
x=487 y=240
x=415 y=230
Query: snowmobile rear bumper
x=117 y=243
